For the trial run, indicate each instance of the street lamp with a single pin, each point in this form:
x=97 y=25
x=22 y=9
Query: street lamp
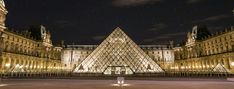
x=120 y=80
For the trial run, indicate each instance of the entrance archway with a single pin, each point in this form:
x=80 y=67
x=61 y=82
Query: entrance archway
x=118 y=70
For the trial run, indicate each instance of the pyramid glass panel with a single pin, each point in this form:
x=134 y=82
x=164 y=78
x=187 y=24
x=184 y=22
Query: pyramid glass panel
x=220 y=68
x=118 y=54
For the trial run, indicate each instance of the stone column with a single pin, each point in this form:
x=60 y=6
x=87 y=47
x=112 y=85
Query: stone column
x=2 y=64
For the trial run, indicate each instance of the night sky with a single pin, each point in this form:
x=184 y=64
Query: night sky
x=145 y=21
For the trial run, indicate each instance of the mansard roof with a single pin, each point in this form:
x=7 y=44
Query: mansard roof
x=37 y=31
x=202 y=32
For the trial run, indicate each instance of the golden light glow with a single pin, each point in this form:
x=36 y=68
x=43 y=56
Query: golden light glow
x=2 y=85
x=20 y=66
x=117 y=85
x=7 y=65
x=17 y=65
x=232 y=63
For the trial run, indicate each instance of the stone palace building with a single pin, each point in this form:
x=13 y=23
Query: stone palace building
x=32 y=51
x=29 y=51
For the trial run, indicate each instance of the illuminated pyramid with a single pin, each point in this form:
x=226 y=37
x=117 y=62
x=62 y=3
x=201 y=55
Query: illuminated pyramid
x=118 y=54
x=220 y=68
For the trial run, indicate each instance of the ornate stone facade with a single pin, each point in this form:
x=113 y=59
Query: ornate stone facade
x=3 y=13
x=22 y=53
x=30 y=51
x=205 y=53
x=74 y=54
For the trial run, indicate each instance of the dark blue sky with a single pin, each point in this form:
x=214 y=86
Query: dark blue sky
x=145 y=21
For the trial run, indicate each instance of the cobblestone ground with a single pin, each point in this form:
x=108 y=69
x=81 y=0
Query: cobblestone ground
x=111 y=84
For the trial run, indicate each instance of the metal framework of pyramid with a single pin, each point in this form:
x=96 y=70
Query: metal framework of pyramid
x=118 y=54
x=220 y=69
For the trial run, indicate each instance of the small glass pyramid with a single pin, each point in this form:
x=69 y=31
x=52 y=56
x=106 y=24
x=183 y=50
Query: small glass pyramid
x=220 y=68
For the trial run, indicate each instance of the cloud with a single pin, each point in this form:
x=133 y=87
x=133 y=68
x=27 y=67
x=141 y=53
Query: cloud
x=157 y=27
x=165 y=37
x=215 y=28
x=63 y=23
x=149 y=40
x=213 y=18
x=194 y=1
x=172 y=35
x=98 y=38
x=124 y=3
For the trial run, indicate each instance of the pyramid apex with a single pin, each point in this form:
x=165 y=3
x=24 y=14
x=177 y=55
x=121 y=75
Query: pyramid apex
x=118 y=28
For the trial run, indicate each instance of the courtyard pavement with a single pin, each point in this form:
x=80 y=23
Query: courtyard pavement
x=111 y=84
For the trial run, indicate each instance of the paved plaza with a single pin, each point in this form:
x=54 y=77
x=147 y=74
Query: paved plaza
x=111 y=84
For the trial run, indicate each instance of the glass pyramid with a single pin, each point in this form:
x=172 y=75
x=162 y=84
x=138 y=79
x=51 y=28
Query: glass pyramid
x=118 y=54
x=220 y=68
